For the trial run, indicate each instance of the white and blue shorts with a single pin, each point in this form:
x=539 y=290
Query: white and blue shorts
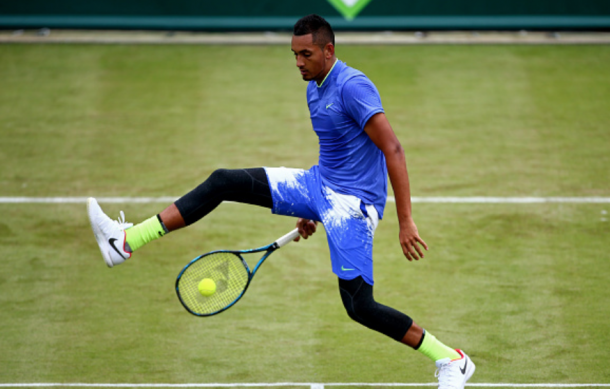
x=349 y=223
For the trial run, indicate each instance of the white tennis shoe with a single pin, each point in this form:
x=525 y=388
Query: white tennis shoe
x=110 y=234
x=453 y=373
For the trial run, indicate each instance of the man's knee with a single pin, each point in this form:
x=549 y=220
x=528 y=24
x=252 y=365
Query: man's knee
x=360 y=305
x=253 y=180
x=357 y=297
x=219 y=178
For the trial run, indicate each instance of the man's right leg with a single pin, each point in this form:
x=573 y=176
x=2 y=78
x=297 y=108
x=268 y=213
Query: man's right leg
x=248 y=186
x=117 y=240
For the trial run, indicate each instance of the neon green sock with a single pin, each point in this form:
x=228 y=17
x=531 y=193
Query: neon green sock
x=149 y=230
x=435 y=350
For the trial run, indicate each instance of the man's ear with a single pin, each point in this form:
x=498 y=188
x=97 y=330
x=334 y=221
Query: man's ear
x=329 y=50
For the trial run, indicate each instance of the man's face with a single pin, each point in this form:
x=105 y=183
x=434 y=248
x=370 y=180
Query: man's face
x=311 y=59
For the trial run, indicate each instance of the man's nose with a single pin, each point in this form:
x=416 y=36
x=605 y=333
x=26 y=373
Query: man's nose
x=300 y=62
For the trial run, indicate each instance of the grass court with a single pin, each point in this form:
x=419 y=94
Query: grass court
x=523 y=288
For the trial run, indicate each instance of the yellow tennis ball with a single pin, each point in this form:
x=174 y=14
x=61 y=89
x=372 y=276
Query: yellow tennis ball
x=207 y=287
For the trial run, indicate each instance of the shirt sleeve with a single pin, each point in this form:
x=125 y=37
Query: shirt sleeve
x=361 y=99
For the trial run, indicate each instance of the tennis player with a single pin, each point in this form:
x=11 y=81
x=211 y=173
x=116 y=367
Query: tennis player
x=346 y=192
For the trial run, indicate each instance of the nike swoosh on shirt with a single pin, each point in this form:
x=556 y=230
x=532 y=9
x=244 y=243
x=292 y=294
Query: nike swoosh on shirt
x=111 y=241
x=345 y=269
x=329 y=105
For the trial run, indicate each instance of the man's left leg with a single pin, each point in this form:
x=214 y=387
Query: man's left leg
x=454 y=367
x=350 y=227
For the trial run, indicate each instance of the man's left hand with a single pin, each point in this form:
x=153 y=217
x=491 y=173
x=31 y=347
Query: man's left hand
x=411 y=242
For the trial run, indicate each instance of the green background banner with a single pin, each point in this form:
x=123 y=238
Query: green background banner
x=281 y=14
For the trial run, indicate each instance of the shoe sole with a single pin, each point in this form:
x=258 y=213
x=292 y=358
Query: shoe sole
x=98 y=234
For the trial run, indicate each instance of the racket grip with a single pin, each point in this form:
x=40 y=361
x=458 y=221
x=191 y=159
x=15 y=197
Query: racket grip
x=289 y=237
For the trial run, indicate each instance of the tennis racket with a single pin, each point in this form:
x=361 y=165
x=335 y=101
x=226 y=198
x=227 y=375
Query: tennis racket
x=230 y=272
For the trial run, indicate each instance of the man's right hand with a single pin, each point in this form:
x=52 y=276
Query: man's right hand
x=306 y=228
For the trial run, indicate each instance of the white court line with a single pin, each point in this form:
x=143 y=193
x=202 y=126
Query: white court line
x=279 y=384
x=509 y=200
x=446 y=200
x=83 y=200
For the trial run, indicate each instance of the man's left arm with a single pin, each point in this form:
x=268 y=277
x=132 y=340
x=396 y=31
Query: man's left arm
x=381 y=133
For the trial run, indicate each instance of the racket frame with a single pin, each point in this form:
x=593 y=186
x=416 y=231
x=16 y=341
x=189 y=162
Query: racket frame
x=270 y=248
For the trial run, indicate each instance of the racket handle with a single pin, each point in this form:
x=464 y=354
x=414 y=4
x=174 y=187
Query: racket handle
x=289 y=237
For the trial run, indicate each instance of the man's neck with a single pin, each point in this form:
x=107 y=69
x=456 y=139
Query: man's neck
x=334 y=59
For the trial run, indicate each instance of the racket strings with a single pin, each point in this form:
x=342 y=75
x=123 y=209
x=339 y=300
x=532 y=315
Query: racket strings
x=226 y=270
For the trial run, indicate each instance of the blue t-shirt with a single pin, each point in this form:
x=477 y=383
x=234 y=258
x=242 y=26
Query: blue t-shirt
x=350 y=163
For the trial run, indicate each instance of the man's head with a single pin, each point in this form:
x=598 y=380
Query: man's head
x=318 y=27
x=313 y=44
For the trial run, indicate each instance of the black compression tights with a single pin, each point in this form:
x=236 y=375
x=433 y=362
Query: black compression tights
x=358 y=300
x=248 y=186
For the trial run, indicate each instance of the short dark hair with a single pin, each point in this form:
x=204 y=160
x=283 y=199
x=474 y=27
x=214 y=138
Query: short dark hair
x=316 y=25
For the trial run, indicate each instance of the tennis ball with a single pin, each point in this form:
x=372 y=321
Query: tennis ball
x=207 y=287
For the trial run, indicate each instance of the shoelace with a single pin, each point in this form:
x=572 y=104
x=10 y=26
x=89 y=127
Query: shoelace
x=447 y=376
x=120 y=222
